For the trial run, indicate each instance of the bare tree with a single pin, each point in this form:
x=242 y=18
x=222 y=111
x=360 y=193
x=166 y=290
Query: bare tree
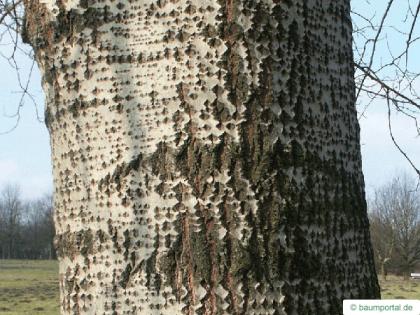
x=26 y=227
x=11 y=209
x=38 y=229
x=395 y=224
x=383 y=238
x=3 y=232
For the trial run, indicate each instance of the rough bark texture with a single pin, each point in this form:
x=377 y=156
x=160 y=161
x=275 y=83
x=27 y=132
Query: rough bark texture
x=206 y=155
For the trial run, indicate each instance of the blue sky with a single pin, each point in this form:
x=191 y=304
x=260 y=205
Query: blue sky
x=381 y=159
x=25 y=153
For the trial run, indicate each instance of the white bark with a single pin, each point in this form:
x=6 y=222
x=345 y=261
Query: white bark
x=169 y=122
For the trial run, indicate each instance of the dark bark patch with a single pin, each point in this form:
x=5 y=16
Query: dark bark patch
x=71 y=244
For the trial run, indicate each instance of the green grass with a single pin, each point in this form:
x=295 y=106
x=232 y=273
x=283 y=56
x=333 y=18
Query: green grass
x=398 y=288
x=29 y=287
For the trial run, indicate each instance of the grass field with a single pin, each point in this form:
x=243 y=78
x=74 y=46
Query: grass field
x=397 y=288
x=30 y=287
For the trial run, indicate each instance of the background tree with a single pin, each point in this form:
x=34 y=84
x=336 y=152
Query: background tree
x=395 y=224
x=11 y=212
x=38 y=229
x=26 y=227
x=383 y=238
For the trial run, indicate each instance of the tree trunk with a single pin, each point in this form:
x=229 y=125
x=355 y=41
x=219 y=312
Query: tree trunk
x=206 y=155
x=384 y=272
